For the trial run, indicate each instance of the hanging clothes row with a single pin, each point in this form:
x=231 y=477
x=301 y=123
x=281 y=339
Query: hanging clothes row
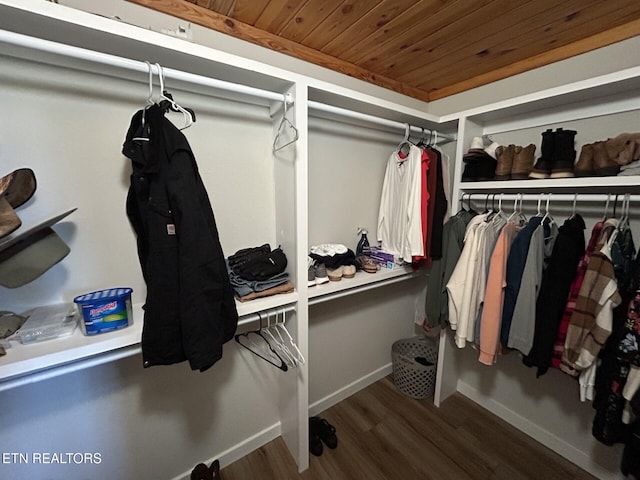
x=414 y=203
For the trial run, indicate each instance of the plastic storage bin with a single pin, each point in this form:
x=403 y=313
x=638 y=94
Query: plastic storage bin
x=105 y=310
x=48 y=322
x=410 y=376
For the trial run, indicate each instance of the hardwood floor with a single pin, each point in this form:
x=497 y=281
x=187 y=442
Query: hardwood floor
x=385 y=435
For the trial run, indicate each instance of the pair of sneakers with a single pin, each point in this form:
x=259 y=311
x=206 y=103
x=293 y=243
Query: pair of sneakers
x=316 y=273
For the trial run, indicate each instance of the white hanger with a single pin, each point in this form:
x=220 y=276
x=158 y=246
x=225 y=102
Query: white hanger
x=404 y=146
x=285 y=122
x=279 y=344
x=606 y=207
x=148 y=104
x=298 y=354
x=188 y=119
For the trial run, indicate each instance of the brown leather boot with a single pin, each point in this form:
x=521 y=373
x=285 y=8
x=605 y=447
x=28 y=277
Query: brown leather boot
x=504 y=156
x=9 y=221
x=523 y=162
x=603 y=166
x=18 y=186
x=584 y=167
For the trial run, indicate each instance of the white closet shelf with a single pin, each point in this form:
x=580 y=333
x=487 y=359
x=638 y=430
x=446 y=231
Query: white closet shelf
x=553 y=185
x=29 y=363
x=361 y=282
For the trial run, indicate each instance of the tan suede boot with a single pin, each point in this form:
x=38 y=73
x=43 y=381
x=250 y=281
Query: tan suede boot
x=523 y=162
x=584 y=166
x=504 y=156
x=603 y=166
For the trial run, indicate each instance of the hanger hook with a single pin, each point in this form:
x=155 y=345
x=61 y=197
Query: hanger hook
x=407 y=129
x=161 y=77
x=284 y=95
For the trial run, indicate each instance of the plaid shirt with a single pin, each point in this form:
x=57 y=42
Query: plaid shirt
x=558 y=347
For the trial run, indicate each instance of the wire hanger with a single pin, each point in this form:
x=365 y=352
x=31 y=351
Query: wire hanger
x=278 y=343
x=261 y=341
x=299 y=358
x=285 y=125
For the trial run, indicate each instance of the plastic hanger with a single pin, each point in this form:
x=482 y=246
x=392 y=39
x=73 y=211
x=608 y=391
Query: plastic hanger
x=278 y=343
x=262 y=341
x=297 y=353
x=285 y=124
x=575 y=201
x=606 y=207
x=165 y=97
x=147 y=105
x=404 y=147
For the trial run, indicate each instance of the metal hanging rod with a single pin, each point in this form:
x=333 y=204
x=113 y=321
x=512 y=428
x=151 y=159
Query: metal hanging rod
x=323 y=107
x=20 y=40
x=555 y=197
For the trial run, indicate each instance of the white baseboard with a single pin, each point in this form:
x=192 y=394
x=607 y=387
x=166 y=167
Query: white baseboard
x=241 y=449
x=348 y=390
x=548 y=439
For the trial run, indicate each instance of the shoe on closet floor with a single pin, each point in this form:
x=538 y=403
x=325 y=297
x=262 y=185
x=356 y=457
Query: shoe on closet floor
x=324 y=430
x=202 y=472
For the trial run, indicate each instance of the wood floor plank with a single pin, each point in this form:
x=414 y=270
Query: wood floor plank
x=385 y=435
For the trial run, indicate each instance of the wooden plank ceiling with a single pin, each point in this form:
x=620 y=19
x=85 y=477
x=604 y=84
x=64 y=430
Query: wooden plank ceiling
x=427 y=49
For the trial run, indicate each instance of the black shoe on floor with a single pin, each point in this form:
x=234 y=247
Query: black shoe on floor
x=323 y=429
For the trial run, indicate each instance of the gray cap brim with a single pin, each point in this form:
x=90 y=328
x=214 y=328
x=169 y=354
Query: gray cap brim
x=30 y=254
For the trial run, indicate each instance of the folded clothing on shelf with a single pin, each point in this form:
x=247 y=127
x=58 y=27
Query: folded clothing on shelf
x=258 y=272
x=335 y=260
x=286 y=287
x=258 y=263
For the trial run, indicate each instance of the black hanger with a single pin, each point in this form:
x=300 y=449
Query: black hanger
x=282 y=366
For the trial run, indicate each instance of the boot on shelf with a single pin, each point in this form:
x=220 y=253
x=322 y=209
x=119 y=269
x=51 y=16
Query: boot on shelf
x=542 y=168
x=603 y=165
x=504 y=157
x=584 y=167
x=564 y=153
x=523 y=162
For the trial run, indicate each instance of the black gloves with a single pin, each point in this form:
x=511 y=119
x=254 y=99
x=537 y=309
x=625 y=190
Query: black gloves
x=259 y=263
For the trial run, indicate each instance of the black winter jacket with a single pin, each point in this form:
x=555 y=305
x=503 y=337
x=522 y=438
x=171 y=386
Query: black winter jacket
x=189 y=310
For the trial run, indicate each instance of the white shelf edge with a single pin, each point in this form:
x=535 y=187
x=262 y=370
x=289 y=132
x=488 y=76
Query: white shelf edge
x=50 y=358
x=361 y=282
x=553 y=183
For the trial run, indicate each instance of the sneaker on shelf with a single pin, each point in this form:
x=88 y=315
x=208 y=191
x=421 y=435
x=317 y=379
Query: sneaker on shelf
x=311 y=273
x=321 y=274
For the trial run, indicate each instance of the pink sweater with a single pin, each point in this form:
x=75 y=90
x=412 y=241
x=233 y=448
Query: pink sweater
x=494 y=295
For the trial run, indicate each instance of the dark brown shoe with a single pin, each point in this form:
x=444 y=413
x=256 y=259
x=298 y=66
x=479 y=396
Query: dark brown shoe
x=18 y=186
x=523 y=162
x=603 y=166
x=9 y=221
x=504 y=156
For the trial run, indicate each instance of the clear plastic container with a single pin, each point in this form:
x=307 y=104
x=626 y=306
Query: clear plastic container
x=48 y=322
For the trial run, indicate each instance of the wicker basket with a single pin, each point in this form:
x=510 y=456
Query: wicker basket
x=412 y=378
